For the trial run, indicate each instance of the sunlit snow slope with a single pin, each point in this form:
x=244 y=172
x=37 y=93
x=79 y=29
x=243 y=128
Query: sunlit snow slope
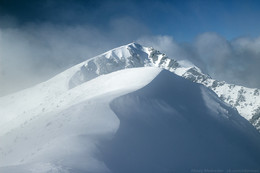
x=51 y=128
x=133 y=120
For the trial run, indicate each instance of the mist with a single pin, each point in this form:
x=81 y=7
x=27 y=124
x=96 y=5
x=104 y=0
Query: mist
x=34 y=52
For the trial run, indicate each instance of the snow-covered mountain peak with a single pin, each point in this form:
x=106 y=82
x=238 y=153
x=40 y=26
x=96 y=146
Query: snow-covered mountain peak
x=128 y=56
x=124 y=52
x=132 y=55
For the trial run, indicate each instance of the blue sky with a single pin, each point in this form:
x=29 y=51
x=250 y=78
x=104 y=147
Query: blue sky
x=183 y=20
x=40 y=38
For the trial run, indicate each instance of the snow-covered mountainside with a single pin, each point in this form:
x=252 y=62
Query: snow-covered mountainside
x=138 y=120
x=245 y=100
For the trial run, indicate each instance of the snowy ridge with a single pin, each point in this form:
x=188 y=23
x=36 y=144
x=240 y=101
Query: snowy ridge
x=245 y=100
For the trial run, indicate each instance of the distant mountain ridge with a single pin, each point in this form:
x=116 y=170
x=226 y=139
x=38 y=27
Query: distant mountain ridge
x=245 y=100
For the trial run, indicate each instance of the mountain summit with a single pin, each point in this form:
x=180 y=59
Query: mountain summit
x=245 y=100
x=123 y=112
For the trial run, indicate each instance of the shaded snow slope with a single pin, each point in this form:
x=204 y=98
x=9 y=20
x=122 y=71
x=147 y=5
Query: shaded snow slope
x=173 y=125
x=133 y=120
x=245 y=100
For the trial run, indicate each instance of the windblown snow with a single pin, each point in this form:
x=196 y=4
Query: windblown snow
x=106 y=115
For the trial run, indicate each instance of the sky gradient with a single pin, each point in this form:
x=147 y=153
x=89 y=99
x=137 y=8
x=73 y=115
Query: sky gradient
x=39 y=39
x=183 y=20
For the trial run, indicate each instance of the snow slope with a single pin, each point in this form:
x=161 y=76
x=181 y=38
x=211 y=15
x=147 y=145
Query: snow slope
x=57 y=130
x=132 y=120
x=245 y=100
